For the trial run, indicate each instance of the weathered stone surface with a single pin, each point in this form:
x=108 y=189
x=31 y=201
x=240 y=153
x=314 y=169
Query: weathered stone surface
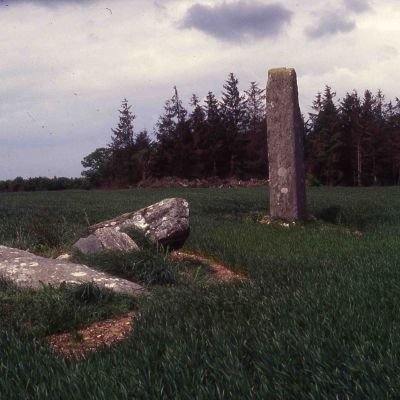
x=111 y=239
x=89 y=245
x=27 y=270
x=166 y=222
x=285 y=146
x=105 y=239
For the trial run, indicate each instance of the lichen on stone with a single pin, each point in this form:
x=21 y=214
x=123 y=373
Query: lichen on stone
x=283 y=70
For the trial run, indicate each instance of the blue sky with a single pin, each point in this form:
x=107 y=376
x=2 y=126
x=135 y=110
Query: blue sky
x=66 y=65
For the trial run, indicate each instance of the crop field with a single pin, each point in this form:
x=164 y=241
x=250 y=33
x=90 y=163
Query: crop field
x=318 y=316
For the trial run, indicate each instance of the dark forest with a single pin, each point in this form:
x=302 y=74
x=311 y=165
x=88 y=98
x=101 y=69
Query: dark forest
x=352 y=141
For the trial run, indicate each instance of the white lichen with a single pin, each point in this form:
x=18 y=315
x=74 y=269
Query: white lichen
x=78 y=274
x=34 y=264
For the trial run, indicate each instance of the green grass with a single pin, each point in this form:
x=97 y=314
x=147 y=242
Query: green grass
x=36 y=314
x=319 y=318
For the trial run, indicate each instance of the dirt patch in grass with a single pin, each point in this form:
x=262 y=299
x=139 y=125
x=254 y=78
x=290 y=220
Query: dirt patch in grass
x=77 y=344
x=100 y=334
x=217 y=270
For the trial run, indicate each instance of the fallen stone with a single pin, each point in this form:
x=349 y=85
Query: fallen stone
x=166 y=222
x=28 y=270
x=105 y=239
x=64 y=257
x=88 y=245
x=111 y=239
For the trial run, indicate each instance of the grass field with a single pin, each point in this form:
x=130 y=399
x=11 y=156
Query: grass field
x=319 y=317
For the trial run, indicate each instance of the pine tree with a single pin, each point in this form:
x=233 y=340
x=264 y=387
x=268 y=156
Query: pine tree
x=324 y=140
x=394 y=131
x=198 y=127
x=380 y=141
x=215 y=138
x=255 y=105
x=350 y=124
x=175 y=142
x=123 y=136
x=123 y=165
x=371 y=133
x=257 y=149
x=142 y=154
x=233 y=107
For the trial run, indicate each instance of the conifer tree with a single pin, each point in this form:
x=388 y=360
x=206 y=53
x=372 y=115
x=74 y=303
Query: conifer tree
x=214 y=138
x=233 y=107
x=174 y=141
x=123 y=165
x=257 y=150
x=198 y=127
x=325 y=140
x=350 y=124
x=372 y=125
x=123 y=135
x=394 y=131
x=142 y=154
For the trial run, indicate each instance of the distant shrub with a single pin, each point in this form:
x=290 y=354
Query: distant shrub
x=20 y=184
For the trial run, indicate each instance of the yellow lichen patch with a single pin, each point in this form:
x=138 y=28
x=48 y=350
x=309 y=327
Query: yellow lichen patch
x=285 y=70
x=281 y=71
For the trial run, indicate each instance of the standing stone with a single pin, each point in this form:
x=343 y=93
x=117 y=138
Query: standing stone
x=285 y=134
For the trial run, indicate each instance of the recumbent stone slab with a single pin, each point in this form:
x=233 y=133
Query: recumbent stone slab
x=285 y=134
x=28 y=270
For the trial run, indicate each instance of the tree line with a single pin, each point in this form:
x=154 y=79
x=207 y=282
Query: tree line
x=20 y=184
x=216 y=138
x=354 y=141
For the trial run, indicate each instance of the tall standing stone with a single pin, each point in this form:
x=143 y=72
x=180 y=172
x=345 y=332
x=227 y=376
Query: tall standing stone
x=285 y=132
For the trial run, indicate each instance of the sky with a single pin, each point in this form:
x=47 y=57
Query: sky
x=66 y=65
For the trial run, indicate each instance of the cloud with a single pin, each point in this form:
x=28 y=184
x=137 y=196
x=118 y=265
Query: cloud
x=48 y=3
x=237 y=21
x=159 y=5
x=65 y=72
x=330 y=24
x=357 y=6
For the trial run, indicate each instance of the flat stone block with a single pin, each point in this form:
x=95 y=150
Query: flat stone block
x=28 y=270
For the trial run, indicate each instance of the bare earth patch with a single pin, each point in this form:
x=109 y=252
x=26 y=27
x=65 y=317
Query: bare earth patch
x=217 y=271
x=91 y=338
x=106 y=333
